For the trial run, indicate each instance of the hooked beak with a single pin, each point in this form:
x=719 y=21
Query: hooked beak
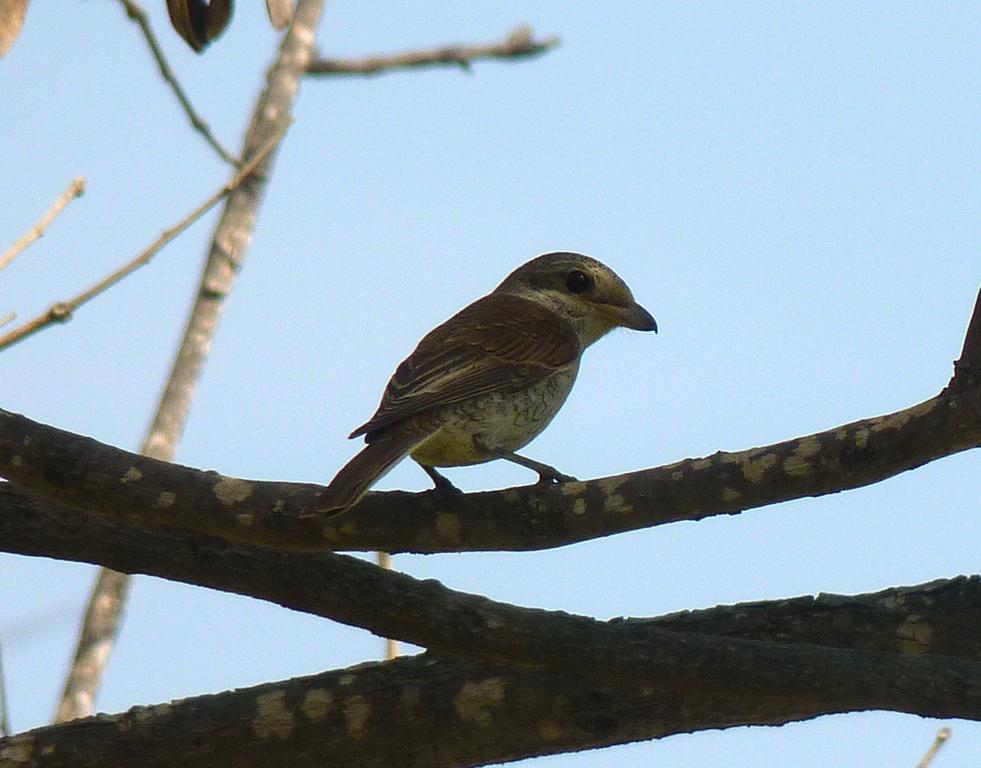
x=636 y=317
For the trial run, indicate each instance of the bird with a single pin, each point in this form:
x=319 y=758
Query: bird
x=487 y=381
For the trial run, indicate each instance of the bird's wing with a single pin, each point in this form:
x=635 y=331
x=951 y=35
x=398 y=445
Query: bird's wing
x=499 y=343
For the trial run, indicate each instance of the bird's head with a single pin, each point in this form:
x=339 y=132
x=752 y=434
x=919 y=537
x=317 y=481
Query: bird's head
x=590 y=294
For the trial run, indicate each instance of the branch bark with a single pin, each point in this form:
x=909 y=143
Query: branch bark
x=427 y=711
x=425 y=613
x=228 y=246
x=520 y=43
x=83 y=473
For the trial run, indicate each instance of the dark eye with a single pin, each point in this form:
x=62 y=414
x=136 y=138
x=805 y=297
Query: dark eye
x=578 y=281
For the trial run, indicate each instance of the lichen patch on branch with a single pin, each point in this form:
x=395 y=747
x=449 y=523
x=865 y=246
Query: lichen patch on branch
x=273 y=719
x=132 y=475
x=230 y=490
x=448 y=527
x=475 y=700
x=166 y=499
x=357 y=710
x=754 y=469
x=317 y=702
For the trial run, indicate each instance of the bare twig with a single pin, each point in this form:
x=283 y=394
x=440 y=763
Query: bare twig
x=4 y=714
x=62 y=311
x=7 y=318
x=225 y=254
x=519 y=44
x=75 y=189
x=391 y=646
x=137 y=14
x=942 y=735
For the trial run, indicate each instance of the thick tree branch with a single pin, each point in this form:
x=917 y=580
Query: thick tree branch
x=453 y=623
x=520 y=43
x=426 y=711
x=83 y=473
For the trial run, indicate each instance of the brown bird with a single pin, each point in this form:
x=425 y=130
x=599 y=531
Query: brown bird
x=488 y=380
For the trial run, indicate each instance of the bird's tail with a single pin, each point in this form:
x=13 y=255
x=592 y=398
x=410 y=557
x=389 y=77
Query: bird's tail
x=364 y=470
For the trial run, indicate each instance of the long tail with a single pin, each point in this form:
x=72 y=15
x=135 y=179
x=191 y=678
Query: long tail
x=364 y=470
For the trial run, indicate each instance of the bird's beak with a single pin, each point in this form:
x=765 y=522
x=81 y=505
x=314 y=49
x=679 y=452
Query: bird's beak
x=636 y=317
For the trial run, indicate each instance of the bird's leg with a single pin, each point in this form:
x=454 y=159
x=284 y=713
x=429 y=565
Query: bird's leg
x=441 y=482
x=546 y=473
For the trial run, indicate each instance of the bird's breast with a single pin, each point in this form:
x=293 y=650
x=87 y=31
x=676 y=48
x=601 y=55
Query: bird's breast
x=500 y=419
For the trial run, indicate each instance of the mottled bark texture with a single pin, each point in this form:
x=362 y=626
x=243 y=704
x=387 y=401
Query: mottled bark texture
x=84 y=473
x=907 y=649
x=771 y=663
x=457 y=624
x=89 y=475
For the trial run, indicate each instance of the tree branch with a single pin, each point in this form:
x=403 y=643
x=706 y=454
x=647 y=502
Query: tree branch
x=425 y=613
x=939 y=740
x=426 y=711
x=62 y=311
x=75 y=189
x=520 y=43
x=135 y=12
x=83 y=473
x=270 y=119
x=968 y=367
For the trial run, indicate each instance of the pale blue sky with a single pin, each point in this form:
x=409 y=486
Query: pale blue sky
x=791 y=189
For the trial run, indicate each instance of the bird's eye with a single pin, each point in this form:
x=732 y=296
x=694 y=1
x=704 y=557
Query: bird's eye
x=578 y=281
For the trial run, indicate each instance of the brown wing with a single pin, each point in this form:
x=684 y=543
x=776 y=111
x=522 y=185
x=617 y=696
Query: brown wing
x=499 y=343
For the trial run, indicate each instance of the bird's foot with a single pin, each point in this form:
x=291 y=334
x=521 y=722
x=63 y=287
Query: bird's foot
x=441 y=484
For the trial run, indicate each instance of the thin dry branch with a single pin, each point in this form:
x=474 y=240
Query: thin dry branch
x=100 y=625
x=941 y=738
x=520 y=43
x=7 y=318
x=4 y=711
x=270 y=118
x=75 y=189
x=137 y=14
x=62 y=311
